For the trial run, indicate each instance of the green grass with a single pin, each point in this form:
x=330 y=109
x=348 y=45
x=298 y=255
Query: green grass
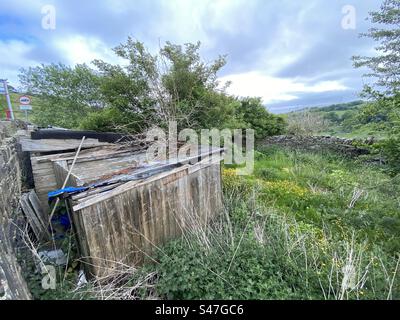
x=347 y=124
x=358 y=132
x=329 y=183
x=303 y=226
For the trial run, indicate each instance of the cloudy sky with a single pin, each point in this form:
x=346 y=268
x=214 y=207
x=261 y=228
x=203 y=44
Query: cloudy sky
x=291 y=53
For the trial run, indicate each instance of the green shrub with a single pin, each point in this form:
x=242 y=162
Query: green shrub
x=254 y=115
x=391 y=149
x=201 y=275
x=271 y=257
x=268 y=173
x=109 y=120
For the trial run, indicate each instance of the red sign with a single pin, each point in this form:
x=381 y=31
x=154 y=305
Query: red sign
x=24 y=100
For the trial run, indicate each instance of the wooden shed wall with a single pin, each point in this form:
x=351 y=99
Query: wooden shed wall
x=44 y=178
x=130 y=225
x=45 y=174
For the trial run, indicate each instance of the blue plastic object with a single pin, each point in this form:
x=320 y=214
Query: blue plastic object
x=68 y=190
x=64 y=221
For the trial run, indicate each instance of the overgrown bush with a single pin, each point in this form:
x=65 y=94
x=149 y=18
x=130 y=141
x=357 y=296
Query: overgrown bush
x=109 y=120
x=271 y=256
x=306 y=123
x=65 y=95
x=254 y=115
x=391 y=147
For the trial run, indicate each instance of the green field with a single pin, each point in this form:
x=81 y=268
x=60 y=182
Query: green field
x=346 y=120
x=303 y=226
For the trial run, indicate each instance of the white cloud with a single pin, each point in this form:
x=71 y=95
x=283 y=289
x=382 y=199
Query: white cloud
x=79 y=49
x=272 y=89
x=232 y=16
x=13 y=57
x=287 y=48
x=12 y=53
x=188 y=21
x=274 y=38
x=180 y=22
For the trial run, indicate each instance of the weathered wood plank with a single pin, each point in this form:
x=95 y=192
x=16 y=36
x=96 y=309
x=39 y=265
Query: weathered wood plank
x=35 y=203
x=94 y=191
x=32 y=219
x=133 y=223
x=51 y=145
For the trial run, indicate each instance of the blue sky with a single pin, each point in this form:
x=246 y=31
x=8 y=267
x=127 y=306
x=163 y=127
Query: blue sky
x=290 y=53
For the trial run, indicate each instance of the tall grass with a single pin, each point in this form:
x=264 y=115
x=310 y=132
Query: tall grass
x=270 y=255
x=279 y=238
x=304 y=226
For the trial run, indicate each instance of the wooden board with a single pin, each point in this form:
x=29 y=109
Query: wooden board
x=45 y=180
x=45 y=176
x=38 y=226
x=130 y=223
x=52 y=145
x=37 y=207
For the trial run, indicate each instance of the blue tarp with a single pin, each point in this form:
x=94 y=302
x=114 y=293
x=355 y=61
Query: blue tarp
x=66 y=191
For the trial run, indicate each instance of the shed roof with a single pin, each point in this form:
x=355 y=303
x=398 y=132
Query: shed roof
x=123 y=163
x=53 y=145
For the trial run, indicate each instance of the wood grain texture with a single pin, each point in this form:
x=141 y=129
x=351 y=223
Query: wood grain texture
x=12 y=283
x=131 y=225
x=45 y=176
x=51 y=145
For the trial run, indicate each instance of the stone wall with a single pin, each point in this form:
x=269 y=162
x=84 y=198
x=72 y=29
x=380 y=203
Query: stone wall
x=347 y=147
x=12 y=284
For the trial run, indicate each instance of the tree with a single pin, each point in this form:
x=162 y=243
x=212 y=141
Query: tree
x=385 y=66
x=66 y=94
x=253 y=114
x=374 y=112
x=332 y=116
x=306 y=123
x=174 y=84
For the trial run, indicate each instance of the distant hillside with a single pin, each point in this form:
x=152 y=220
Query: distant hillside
x=334 y=107
x=356 y=119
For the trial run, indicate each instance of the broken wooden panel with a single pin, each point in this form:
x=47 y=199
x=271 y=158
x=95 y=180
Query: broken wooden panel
x=44 y=174
x=128 y=224
x=138 y=205
x=44 y=178
x=53 y=145
x=37 y=207
x=89 y=172
x=34 y=216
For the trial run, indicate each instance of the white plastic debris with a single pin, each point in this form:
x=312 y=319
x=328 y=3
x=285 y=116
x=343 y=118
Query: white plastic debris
x=81 y=279
x=54 y=257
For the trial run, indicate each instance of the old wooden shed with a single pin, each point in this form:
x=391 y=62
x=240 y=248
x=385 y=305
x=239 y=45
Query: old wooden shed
x=133 y=206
